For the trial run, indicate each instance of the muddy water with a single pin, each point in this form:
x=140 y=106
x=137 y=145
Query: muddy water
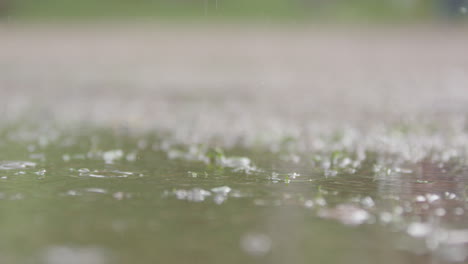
x=259 y=145
x=106 y=196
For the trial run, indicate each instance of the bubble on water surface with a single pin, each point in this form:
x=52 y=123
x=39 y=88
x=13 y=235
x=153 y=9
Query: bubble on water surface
x=13 y=165
x=256 y=244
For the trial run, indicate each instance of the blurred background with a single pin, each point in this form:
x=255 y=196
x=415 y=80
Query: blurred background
x=237 y=9
x=281 y=47
x=111 y=59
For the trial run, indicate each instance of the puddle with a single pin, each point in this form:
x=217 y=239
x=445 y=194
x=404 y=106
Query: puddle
x=126 y=191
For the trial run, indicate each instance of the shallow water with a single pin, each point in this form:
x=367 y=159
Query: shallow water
x=100 y=195
x=259 y=145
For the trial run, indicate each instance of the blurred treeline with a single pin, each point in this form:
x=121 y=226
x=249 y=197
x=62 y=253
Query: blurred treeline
x=236 y=9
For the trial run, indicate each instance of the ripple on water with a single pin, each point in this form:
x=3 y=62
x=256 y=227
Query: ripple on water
x=86 y=190
x=220 y=194
x=105 y=173
x=15 y=165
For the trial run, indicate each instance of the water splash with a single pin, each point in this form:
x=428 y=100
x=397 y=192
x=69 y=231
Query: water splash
x=15 y=165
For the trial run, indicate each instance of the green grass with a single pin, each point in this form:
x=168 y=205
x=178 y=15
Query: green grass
x=229 y=9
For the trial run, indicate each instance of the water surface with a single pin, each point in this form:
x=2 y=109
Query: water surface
x=99 y=195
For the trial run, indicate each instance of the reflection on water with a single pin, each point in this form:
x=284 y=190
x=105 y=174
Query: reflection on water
x=106 y=196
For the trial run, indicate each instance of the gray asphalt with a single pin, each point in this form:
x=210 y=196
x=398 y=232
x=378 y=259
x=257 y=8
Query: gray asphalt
x=163 y=74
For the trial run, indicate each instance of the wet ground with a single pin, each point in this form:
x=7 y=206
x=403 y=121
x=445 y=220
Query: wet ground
x=207 y=144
